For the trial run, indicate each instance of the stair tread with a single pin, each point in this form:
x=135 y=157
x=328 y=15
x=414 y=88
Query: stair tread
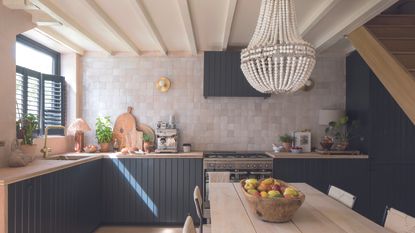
x=389 y=25
x=403 y=52
x=395 y=38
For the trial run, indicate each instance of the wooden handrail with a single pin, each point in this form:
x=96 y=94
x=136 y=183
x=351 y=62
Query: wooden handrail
x=392 y=74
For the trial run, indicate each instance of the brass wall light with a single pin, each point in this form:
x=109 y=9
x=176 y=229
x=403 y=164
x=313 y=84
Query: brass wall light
x=163 y=84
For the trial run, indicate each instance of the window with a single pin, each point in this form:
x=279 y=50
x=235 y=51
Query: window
x=40 y=90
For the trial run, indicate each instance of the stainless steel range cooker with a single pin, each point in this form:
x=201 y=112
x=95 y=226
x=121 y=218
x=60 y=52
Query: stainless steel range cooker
x=241 y=165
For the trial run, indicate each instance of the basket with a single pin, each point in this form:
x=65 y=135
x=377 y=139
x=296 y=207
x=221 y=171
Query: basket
x=277 y=210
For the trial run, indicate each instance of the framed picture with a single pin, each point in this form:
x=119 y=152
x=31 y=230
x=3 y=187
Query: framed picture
x=303 y=139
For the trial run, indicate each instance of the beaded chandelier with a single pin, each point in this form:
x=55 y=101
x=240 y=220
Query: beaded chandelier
x=277 y=59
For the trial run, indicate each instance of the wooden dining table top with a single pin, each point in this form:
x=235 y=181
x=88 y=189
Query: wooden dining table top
x=319 y=213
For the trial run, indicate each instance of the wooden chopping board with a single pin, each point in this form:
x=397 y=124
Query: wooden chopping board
x=125 y=129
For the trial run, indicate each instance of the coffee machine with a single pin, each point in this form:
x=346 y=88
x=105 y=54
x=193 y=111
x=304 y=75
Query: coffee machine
x=166 y=137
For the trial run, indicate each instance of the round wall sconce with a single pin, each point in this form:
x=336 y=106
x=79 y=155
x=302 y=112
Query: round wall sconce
x=308 y=85
x=163 y=84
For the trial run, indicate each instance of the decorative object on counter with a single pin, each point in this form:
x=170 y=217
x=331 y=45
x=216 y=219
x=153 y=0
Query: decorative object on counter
x=148 y=143
x=187 y=147
x=172 y=123
x=297 y=150
x=336 y=152
x=342 y=131
x=326 y=116
x=303 y=139
x=146 y=129
x=104 y=133
x=125 y=129
x=115 y=145
x=277 y=149
x=77 y=129
x=272 y=200
x=163 y=84
x=277 y=60
x=90 y=149
x=287 y=141
x=326 y=142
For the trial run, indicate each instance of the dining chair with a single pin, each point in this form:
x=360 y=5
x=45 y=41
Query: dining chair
x=189 y=227
x=397 y=221
x=197 y=197
x=342 y=196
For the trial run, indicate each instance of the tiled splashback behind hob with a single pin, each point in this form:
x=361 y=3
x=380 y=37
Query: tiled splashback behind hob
x=110 y=84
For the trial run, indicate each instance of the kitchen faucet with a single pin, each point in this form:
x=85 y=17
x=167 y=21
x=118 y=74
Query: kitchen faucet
x=45 y=150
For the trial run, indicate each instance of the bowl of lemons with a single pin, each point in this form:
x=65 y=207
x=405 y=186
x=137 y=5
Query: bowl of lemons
x=272 y=200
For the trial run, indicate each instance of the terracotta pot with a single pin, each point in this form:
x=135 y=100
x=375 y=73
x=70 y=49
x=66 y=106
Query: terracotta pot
x=104 y=147
x=287 y=146
x=147 y=147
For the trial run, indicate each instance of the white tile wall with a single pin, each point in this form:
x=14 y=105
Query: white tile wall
x=217 y=123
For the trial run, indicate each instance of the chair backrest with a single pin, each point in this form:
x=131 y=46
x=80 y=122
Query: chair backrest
x=342 y=196
x=399 y=222
x=197 y=197
x=189 y=227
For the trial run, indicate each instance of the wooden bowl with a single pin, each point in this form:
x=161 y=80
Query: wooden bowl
x=274 y=209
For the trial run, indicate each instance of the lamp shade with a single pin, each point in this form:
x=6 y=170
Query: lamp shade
x=78 y=125
x=328 y=115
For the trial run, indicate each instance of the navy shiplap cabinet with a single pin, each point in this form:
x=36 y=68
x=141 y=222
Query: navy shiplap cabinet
x=351 y=175
x=149 y=191
x=65 y=201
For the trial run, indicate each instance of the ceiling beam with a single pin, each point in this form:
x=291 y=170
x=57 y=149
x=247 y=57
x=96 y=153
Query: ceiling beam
x=187 y=21
x=111 y=25
x=52 y=10
x=148 y=22
x=365 y=13
x=319 y=14
x=47 y=31
x=228 y=23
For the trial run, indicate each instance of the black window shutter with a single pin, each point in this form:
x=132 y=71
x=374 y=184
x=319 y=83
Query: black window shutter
x=28 y=93
x=53 y=102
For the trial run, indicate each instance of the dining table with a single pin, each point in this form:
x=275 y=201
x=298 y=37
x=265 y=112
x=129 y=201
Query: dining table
x=230 y=213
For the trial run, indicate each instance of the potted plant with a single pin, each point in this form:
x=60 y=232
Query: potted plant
x=148 y=143
x=341 y=131
x=287 y=141
x=104 y=133
x=25 y=130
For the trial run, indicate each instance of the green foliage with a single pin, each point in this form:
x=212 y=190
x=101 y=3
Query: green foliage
x=286 y=138
x=103 y=130
x=147 y=138
x=26 y=127
x=342 y=129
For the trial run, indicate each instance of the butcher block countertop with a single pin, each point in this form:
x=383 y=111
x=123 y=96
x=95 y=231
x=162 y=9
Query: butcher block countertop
x=9 y=175
x=313 y=155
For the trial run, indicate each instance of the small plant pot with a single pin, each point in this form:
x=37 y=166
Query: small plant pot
x=29 y=150
x=104 y=147
x=147 y=147
x=287 y=146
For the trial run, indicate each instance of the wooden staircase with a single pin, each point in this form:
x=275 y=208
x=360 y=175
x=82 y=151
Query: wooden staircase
x=387 y=44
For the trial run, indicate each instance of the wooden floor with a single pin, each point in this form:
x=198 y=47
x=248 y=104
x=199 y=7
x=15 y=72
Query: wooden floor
x=118 y=229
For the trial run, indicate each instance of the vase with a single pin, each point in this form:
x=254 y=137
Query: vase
x=29 y=150
x=287 y=146
x=326 y=143
x=104 y=147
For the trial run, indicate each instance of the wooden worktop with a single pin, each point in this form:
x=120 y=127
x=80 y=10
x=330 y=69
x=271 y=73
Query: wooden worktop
x=9 y=175
x=313 y=155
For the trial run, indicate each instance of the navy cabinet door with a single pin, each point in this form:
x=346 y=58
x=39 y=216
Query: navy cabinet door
x=66 y=201
x=149 y=191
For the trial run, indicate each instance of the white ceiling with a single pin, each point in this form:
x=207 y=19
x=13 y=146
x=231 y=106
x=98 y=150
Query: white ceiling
x=158 y=27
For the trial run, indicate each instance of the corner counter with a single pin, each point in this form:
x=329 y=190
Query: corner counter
x=313 y=155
